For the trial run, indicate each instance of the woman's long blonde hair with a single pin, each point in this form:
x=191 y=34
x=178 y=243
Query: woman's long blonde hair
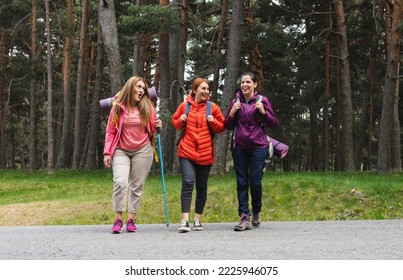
x=126 y=97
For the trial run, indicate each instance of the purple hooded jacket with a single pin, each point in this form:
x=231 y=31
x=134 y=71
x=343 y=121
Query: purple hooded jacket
x=249 y=133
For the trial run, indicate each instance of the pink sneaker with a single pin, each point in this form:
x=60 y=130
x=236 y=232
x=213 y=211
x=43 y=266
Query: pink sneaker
x=130 y=226
x=117 y=226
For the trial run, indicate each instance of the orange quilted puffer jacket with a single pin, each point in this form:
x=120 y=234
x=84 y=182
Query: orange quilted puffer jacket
x=197 y=143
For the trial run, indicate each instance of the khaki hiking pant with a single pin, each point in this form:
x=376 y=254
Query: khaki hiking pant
x=130 y=171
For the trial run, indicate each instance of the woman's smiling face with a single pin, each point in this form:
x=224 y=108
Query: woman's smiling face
x=247 y=85
x=202 y=93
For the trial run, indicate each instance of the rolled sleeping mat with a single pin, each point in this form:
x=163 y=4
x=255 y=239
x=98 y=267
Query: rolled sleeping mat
x=280 y=149
x=153 y=95
x=106 y=103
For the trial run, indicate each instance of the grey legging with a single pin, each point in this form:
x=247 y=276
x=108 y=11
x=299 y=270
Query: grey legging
x=192 y=173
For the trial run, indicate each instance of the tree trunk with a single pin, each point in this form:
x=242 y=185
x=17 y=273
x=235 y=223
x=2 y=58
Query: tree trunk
x=177 y=59
x=326 y=97
x=64 y=145
x=339 y=147
x=144 y=50
x=396 y=148
x=314 y=161
x=111 y=43
x=4 y=95
x=231 y=76
x=364 y=134
x=256 y=65
x=347 y=141
x=78 y=117
x=50 y=162
x=147 y=54
x=386 y=148
x=218 y=57
x=33 y=152
x=165 y=97
x=13 y=154
x=95 y=122
x=136 y=48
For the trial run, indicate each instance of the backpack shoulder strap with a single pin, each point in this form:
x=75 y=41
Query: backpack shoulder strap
x=208 y=107
x=234 y=131
x=259 y=99
x=187 y=108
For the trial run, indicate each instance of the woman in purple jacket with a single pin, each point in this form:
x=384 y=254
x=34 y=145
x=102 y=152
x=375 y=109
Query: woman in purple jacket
x=246 y=115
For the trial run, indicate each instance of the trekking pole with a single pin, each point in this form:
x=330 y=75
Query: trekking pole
x=162 y=176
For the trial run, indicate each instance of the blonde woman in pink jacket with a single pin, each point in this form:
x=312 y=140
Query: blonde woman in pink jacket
x=128 y=148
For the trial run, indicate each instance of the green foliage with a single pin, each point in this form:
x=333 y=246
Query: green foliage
x=291 y=36
x=148 y=19
x=17 y=8
x=72 y=197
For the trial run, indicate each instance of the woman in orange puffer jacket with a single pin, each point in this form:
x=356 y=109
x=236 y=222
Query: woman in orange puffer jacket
x=196 y=148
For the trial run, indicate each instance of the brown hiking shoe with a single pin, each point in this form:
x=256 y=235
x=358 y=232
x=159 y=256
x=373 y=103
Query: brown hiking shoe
x=244 y=224
x=256 y=220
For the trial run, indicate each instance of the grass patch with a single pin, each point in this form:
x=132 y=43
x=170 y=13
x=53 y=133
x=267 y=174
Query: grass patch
x=74 y=197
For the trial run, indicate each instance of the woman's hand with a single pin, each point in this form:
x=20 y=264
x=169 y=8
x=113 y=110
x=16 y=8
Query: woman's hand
x=158 y=123
x=237 y=105
x=183 y=118
x=107 y=161
x=259 y=106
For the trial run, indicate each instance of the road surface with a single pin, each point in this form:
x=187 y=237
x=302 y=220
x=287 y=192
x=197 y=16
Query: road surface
x=317 y=240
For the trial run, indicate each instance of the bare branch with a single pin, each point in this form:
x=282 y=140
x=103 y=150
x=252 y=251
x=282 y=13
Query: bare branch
x=304 y=15
x=313 y=41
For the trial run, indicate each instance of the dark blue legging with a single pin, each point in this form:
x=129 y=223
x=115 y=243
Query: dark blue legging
x=193 y=173
x=249 y=166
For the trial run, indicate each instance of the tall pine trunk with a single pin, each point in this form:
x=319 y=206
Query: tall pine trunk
x=256 y=65
x=50 y=161
x=218 y=56
x=64 y=145
x=177 y=60
x=231 y=76
x=33 y=151
x=387 y=141
x=136 y=48
x=165 y=101
x=364 y=134
x=110 y=37
x=4 y=95
x=326 y=97
x=78 y=117
x=347 y=139
x=95 y=121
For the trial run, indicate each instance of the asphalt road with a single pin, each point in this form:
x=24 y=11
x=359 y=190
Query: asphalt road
x=327 y=240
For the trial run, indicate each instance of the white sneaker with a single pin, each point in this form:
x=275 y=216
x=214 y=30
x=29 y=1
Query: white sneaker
x=197 y=226
x=184 y=227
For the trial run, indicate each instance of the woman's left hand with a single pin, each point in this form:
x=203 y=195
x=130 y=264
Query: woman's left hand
x=107 y=161
x=259 y=106
x=158 y=123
